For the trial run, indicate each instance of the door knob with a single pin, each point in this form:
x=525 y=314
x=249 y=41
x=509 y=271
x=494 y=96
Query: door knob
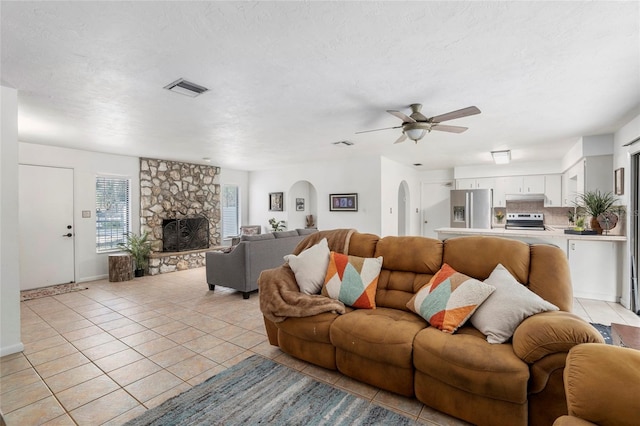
x=68 y=235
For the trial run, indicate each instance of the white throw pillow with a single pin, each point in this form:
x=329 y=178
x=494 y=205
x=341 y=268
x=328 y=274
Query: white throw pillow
x=509 y=305
x=310 y=267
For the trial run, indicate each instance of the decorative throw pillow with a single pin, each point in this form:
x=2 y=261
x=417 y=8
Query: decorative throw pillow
x=507 y=307
x=449 y=299
x=352 y=280
x=310 y=267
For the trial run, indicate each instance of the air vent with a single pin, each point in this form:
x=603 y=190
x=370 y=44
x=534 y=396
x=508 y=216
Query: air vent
x=346 y=143
x=185 y=87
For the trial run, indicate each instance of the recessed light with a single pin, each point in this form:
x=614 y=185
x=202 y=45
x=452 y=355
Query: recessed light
x=186 y=88
x=206 y=159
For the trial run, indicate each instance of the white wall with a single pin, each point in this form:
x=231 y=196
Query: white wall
x=89 y=265
x=9 y=243
x=361 y=176
x=622 y=158
x=392 y=174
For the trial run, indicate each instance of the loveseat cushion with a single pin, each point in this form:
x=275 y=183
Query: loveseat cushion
x=466 y=361
x=375 y=347
x=257 y=237
x=383 y=334
x=286 y=234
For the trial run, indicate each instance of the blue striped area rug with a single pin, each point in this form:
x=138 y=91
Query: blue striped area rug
x=260 y=391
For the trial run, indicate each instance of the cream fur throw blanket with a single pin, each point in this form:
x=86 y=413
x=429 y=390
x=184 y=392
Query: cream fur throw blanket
x=280 y=296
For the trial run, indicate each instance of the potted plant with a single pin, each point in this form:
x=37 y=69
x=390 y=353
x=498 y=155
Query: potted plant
x=596 y=204
x=140 y=248
x=499 y=216
x=277 y=225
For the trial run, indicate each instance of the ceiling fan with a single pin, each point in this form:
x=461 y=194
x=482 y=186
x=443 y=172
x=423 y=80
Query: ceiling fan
x=416 y=125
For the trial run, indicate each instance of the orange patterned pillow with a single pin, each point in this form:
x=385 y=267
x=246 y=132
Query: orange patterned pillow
x=352 y=280
x=449 y=299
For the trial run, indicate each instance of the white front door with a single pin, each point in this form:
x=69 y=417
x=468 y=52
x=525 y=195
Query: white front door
x=46 y=226
x=435 y=207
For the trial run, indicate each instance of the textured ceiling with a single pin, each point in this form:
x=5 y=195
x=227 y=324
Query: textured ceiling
x=287 y=79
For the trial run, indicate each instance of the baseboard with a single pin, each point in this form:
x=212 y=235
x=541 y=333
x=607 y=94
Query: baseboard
x=95 y=278
x=11 y=349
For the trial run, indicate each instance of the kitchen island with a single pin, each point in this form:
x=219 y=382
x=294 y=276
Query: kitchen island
x=595 y=260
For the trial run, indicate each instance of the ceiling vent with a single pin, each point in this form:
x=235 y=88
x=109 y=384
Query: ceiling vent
x=346 y=143
x=185 y=87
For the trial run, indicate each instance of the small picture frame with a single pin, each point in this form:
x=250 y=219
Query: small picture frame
x=618 y=181
x=343 y=202
x=299 y=204
x=276 y=201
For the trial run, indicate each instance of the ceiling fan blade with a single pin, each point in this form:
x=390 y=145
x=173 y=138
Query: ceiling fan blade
x=402 y=138
x=445 y=128
x=377 y=130
x=404 y=117
x=464 y=112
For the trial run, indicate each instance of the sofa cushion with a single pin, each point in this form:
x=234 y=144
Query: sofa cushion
x=449 y=299
x=306 y=231
x=384 y=335
x=507 y=307
x=352 y=280
x=468 y=362
x=310 y=267
x=285 y=234
x=258 y=237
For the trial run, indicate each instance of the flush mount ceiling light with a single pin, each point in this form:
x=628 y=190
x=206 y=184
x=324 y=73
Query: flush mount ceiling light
x=186 y=88
x=501 y=157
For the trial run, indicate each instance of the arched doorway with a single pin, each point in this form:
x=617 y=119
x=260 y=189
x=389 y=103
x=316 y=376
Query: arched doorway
x=302 y=202
x=403 y=209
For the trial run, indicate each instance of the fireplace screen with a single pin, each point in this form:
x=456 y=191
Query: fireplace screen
x=185 y=234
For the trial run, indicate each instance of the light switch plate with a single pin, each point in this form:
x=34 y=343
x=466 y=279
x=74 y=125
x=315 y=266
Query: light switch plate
x=86 y=213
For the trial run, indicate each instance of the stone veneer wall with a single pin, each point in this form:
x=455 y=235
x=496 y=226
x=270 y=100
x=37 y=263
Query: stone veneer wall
x=176 y=190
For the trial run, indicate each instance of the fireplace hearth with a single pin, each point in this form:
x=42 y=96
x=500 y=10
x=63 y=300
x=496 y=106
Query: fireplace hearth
x=185 y=234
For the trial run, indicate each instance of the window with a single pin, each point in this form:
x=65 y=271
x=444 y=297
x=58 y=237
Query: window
x=230 y=211
x=112 y=212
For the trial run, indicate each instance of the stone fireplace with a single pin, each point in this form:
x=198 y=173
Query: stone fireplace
x=176 y=191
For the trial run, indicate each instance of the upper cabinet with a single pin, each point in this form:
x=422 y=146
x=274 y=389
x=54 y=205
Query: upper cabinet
x=479 y=183
x=553 y=190
x=525 y=184
x=594 y=173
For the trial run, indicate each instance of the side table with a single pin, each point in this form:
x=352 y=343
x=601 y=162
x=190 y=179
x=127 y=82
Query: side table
x=120 y=267
x=625 y=335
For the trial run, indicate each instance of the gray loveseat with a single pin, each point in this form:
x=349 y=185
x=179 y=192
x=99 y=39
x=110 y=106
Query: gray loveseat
x=240 y=267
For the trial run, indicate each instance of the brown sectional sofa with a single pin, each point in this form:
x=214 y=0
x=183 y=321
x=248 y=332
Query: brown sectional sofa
x=515 y=383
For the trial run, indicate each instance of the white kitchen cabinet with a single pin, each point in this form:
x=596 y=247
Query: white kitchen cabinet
x=552 y=190
x=479 y=183
x=594 y=269
x=593 y=173
x=500 y=192
x=525 y=184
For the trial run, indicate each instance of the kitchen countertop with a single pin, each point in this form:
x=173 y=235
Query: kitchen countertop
x=551 y=232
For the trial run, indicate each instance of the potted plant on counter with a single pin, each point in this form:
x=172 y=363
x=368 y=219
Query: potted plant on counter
x=600 y=206
x=140 y=248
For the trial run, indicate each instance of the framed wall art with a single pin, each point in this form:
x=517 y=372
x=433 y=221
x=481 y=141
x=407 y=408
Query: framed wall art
x=618 y=181
x=276 y=201
x=299 y=204
x=343 y=202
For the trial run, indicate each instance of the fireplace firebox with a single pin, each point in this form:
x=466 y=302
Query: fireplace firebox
x=185 y=234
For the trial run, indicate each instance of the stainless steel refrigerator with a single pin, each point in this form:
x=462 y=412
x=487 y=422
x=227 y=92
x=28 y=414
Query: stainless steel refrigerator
x=471 y=208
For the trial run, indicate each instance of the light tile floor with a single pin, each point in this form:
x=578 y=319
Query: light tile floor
x=106 y=354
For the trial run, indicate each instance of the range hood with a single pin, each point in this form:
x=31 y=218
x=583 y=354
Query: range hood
x=524 y=197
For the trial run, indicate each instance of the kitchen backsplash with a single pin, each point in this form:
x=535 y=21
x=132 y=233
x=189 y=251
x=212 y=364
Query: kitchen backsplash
x=553 y=216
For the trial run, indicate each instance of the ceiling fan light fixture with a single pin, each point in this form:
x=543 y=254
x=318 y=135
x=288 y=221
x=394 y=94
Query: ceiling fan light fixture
x=501 y=157
x=415 y=134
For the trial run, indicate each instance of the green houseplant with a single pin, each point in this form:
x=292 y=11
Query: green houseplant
x=140 y=248
x=596 y=204
x=277 y=225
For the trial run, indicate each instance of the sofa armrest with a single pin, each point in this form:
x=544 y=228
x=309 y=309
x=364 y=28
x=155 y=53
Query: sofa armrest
x=551 y=332
x=602 y=384
x=227 y=269
x=572 y=421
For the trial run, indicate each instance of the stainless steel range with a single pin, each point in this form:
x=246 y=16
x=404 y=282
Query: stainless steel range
x=525 y=221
